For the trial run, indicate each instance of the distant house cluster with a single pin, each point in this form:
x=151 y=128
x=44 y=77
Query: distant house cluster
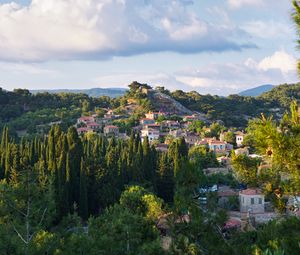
x=160 y=130
x=96 y=124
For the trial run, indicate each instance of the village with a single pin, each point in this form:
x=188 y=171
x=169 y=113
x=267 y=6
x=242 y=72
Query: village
x=246 y=206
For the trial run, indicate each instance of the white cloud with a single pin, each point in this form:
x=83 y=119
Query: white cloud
x=268 y=29
x=99 y=29
x=21 y=68
x=235 y=4
x=230 y=78
x=153 y=79
x=279 y=60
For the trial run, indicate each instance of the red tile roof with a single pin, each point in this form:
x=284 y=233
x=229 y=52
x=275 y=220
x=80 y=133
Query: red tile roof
x=227 y=193
x=86 y=118
x=251 y=191
x=111 y=126
x=93 y=124
x=232 y=223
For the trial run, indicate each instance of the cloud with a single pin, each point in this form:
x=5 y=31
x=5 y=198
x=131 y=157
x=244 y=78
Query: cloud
x=279 y=60
x=100 y=29
x=268 y=29
x=215 y=78
x=235 y=4
x=21 y=68
x=153 y=79
x=230 y=78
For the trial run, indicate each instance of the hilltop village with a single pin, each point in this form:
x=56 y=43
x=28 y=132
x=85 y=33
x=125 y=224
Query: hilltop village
x=162 y=172
x=246 y=206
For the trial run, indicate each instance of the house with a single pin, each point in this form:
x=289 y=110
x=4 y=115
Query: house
x=146 y=121
x=226 y=196
x=94 y=126
x=252 y=201
x=189 y=118
x=176 y=133
x=219 y=147
x=152 y=134
x=171 y=124
x=239 y=138
x=152 y=126
x=83 y=130
x=191 y=139
x=111 y=130
x=153 y=115
x=85 y=120
x=224 y=160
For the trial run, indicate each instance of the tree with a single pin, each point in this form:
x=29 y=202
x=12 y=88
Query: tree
x=246 y=169
x=123 y=232
x=27 y=206
x=141 y=202
x=296 y=17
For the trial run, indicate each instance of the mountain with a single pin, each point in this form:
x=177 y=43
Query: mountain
x=94 y=92
x=257 y=91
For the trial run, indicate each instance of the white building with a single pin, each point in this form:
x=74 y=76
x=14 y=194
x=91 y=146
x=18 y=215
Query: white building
x=152 y=134
x=239 y=138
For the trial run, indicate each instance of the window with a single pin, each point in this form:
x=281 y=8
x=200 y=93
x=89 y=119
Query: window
x=252 y=200
x=260 y=201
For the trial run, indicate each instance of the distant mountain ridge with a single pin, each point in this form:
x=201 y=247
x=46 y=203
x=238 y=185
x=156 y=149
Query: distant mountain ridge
x=257 y=91
x=93 y=92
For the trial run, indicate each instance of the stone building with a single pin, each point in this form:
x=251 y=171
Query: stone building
x=252 y=200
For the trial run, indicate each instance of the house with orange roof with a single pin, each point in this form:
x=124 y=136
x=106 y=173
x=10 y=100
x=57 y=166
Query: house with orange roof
x=252 y=201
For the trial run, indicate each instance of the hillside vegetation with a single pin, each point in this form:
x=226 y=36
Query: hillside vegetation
x=21 y=110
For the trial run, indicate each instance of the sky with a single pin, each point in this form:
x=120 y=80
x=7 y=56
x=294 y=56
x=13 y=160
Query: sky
x=211 y=46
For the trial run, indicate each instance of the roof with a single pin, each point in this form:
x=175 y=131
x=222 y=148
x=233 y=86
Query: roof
x=83 y=129
x=227 y=193
x=150 y=129
x=93 y=124
x=86 y=118
x=153 y=125
x=216 y=142
x=111 y=126
x=251 y=191
x=232 y=223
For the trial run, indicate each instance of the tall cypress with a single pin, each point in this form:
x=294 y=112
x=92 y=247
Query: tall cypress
x=83 y=201
x=75 y=155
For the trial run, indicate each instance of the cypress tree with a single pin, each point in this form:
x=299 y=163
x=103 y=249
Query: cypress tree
x=83 y=202
x=165 y=183
x=75 y=155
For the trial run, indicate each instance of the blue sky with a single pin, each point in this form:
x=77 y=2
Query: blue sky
x=217 y=47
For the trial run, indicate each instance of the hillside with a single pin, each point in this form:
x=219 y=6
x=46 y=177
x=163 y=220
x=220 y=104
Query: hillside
x=21 y=110
x=281 y=96
x=94 y=92
x=257 y=91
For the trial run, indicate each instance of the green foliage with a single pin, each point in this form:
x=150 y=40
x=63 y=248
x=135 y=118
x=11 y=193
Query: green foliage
x=202 y=157
x=246 y=169
x=123 y=232
x=275 y=236
x=137 y=200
